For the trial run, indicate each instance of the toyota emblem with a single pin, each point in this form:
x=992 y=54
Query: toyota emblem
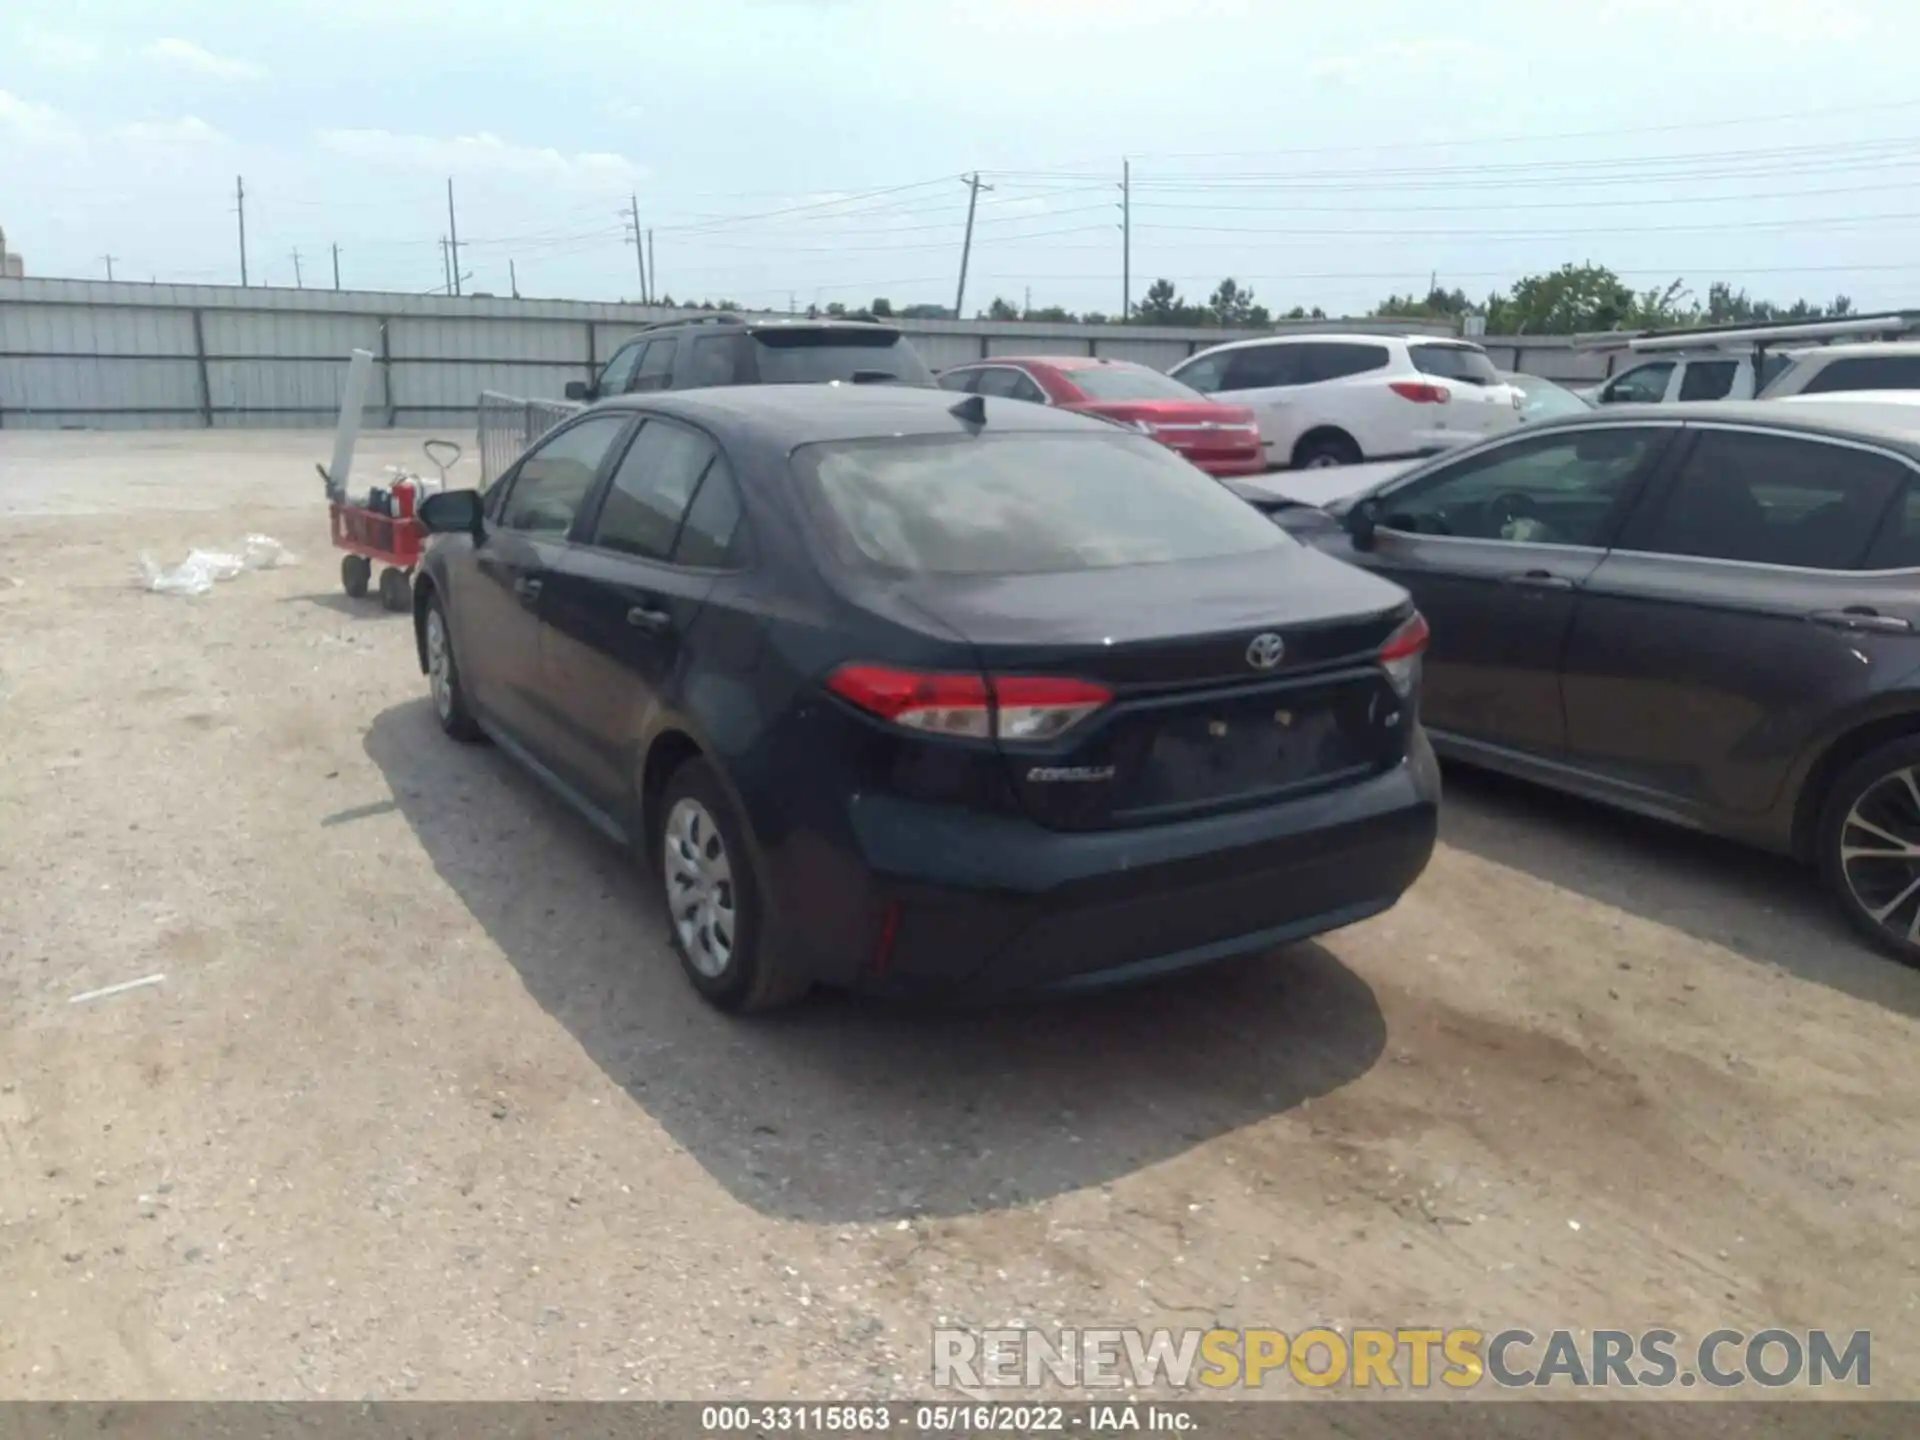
x=1266 y=651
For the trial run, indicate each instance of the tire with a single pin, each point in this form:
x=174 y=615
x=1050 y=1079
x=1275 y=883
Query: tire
x=1879 y=894
x=712 y=897
x=355 y=572
x=1323 y=451
x=396 y=590
x=443 y=677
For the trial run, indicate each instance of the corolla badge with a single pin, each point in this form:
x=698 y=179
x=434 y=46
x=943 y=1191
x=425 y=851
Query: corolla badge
x=1266 y=651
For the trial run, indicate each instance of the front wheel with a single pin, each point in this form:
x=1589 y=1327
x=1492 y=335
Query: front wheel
x=355 y=572
x=1325 y=451
x=1869 y=846
x=443 y=677
x=712 y=897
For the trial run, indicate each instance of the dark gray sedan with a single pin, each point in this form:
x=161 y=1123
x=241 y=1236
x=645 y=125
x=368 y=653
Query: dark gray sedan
x=1708 y=617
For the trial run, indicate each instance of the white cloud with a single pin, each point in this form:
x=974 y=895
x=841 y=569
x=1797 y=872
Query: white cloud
x=186 y=55
x=1402 y=57
x=474 y=154
x=28 y=120
x=189 y=130
x=52 y=50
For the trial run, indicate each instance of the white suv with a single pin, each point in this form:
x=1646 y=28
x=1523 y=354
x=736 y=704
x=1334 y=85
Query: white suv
x=1343 y=399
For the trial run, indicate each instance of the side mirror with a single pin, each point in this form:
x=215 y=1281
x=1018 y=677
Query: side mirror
x=579 y=390
x=1360 y=522
x=454 y=512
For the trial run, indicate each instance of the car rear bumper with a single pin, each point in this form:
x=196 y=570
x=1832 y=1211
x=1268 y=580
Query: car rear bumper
x=955 y=902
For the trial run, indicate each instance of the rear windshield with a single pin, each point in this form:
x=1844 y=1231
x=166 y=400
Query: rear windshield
x=808 y=357
x=1455 y=362
x=1022 y=503
x=1126 y=382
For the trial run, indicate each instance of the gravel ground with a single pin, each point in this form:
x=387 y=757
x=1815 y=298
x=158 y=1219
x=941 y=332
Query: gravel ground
x=423 y=1107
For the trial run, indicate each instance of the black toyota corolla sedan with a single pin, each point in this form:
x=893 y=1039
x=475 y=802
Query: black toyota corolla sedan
x=896 y=693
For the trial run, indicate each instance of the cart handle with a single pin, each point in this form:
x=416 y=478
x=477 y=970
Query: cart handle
x=434 y=448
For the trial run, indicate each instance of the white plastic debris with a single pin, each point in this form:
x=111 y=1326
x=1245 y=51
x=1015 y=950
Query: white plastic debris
x=107 y=990
x=203 y=569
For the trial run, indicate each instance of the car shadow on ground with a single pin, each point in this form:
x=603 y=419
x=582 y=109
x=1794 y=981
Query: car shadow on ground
x=1765 y=907
x=844 y=1109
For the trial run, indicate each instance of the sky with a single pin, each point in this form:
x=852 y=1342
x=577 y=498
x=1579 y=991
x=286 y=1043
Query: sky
x=795 y=152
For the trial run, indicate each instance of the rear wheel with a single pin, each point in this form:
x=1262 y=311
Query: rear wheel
x=713 y=897
x=1318 y=452
x=1869 y=846
x=396 y=590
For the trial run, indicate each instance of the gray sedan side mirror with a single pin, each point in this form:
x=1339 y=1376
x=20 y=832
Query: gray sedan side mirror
x=454 y=512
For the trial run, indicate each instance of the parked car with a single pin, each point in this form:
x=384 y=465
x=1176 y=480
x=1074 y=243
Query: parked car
x=1740 y=361
x=1703 y=375
x=1709 y=617
x=1344 y=399
x=1838 y=369
x=1541 y=399
x=898 y=692
x=1220 y=439
x=724 y=349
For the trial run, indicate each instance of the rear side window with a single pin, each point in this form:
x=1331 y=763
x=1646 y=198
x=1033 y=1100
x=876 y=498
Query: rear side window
x=715 y=360
x=1205 y=374
x=956 y=379
x=1022 y=504
x=1642 y=385
x=803 y=356
x=1897 y=546
x=1260 y=366
x=1708 y=379
x=1336 y=360
x=1774 y=500
x=1466 y=363
x=652 y=488
x=1866 y=372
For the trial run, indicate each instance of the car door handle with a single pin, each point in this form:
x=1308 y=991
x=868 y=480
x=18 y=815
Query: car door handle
x=1539 y=580
x=1860 y=617
x=654 y=622
x=528 y=590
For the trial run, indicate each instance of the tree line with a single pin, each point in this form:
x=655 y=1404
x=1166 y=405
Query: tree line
x=1571 y=300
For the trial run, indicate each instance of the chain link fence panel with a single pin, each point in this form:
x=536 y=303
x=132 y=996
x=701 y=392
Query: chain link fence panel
x=509 y=424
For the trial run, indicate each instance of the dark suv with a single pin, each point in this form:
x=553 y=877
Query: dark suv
x=725 y=349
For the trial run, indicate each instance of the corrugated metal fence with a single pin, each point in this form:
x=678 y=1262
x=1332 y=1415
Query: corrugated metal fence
x=126 y=355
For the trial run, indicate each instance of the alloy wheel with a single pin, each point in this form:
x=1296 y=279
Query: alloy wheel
x=439 y=664
x=700 y=895
x=1880 y=854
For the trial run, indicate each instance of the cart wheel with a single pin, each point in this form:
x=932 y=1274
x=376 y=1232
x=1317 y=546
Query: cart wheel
x=355 y=571
x=396 y=590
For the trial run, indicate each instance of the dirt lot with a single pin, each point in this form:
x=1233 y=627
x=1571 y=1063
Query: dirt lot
x=423 y=1108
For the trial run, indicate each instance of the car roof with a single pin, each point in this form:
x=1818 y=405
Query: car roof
x=1337 y=337
x=1058 y=362
x=1896 y=426
x=789 y=415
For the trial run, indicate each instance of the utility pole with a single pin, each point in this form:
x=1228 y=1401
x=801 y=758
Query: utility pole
x=653 y=275
x=1027 y=309
x=639 y=239
x=446 y=267
x=336 y=265
x=297 y=283
x=109 y=259
x=1126 y=239
x=240 y=209
x=974 y=187
x=513 y=280
x=453 y=240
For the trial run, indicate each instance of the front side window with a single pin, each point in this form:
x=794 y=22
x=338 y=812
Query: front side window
x=1563 y=489
x=652 y=488
x=1260 y=367
x=553 y=480
x=1022 y=503
x=1642 y=385
x=1775 y=500
x=1205 y=374
x=619 y=370
x=656 y=366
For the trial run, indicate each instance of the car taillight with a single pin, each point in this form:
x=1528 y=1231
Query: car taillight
x=1400 y=656
x=1421 y=392
x=1005 y=707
